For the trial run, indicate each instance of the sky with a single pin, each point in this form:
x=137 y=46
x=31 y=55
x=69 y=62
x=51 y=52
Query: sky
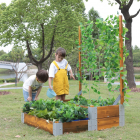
x=105 y=10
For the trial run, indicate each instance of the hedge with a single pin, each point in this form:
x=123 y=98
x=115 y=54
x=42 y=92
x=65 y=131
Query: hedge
x=2 y=80
x=10 y=80
x=137 y=76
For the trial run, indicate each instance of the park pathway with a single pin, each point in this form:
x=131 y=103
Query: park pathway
x=6 y=88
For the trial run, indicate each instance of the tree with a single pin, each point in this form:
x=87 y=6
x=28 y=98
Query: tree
x=41 y=24
x=136 y=54
x=93 y=15
x=2 y=52
x=4 y=57
x=16 y=55
x=124 y=6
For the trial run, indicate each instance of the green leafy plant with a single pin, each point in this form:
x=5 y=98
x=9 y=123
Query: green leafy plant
x=101 y=55
x=87 y=102
x=54 y=109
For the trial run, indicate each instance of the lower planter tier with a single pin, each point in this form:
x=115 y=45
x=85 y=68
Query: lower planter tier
x=99 y=118
x=55 y=128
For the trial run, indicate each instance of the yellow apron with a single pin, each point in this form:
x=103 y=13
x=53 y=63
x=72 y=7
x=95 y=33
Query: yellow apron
x=60 y=81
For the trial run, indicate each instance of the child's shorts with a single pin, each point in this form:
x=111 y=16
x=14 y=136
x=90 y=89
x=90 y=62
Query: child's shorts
x=26 y=95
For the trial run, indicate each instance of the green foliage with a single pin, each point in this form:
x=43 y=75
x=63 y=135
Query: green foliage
x=69 y=112
x=136 y=58
x=93 y=15
x=40 y=25
x=26 y=107
x=106 y=47
x=137 y=76
x=4 y=57
x=2 y=52
x=51 y=109
x=2 y=80
x=10 y=80
x=17 y=54
x=80 y=100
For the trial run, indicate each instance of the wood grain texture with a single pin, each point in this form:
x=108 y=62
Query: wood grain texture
x=105 y=123
x=38 y=122
x=75 y=126
x=121 y=60
x=108 y=111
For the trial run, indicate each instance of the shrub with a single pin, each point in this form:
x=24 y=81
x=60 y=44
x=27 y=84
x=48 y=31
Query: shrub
x=137 y=76
x=2 y=80
x=136 y=64
x=10 y=80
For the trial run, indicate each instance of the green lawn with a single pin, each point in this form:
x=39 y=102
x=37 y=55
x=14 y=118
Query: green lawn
x=10 y=118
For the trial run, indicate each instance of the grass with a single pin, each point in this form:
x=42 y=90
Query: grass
x=10 y=118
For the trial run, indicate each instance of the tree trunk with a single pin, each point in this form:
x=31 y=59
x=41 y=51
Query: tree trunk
x=39 y=66
x=16 y=79
x=129 y=59
x=91 y=76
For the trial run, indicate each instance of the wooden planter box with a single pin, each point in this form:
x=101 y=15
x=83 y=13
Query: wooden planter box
x=99 y=118
x=55 y=128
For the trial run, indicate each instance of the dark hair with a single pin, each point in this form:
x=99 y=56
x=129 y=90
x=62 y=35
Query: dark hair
x=42 y=75
x=61 y=52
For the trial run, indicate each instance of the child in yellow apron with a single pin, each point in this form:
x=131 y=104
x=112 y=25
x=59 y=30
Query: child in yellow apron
x=58 y=73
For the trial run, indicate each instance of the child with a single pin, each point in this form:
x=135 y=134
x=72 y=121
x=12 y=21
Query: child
x=32 y=86
x=58 y=72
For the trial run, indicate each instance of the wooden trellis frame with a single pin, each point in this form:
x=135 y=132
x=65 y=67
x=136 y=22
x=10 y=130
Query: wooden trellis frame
x=121 y=60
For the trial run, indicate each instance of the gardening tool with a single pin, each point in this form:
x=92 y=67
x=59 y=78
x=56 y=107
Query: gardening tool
x=50 y=93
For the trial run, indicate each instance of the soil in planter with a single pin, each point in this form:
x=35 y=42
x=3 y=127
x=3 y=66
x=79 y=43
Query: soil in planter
x=4 y=92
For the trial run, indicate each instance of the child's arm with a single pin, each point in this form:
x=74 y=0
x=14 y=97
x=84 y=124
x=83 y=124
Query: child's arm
x=50 y=82
x=38 y=92
x=71 y=74
x=30 y=94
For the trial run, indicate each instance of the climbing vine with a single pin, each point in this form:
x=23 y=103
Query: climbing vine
x=101 y=55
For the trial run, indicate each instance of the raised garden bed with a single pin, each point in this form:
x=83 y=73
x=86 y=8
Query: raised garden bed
x=99 y=118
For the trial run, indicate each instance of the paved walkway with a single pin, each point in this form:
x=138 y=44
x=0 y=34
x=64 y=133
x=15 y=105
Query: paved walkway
x=5 y=84
x=6 y=88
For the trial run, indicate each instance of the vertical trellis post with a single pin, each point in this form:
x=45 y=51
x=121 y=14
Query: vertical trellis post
x=121 y=60
x=80 y=84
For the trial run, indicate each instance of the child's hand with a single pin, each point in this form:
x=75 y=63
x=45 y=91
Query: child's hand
x=36 y=98
x=51 y=87
x=71 y=76
x=29 y=99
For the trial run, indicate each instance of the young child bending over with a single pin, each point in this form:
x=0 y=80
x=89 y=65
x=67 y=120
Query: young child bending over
x=32 y=86
x=58 y=73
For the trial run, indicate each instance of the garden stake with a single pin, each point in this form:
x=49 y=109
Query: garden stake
x=121 y=60
x=80 y=84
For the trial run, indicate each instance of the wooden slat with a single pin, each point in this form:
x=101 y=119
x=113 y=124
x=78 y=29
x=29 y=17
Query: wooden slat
x=108 y=111
x=38 y=122
x=105 y=123
x=66 y=100
x=75 y=126
x=82 y=106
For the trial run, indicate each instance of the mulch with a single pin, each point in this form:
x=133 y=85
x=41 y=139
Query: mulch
x=4 y=92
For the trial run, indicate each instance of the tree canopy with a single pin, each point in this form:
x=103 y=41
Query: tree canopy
x=41 y=24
